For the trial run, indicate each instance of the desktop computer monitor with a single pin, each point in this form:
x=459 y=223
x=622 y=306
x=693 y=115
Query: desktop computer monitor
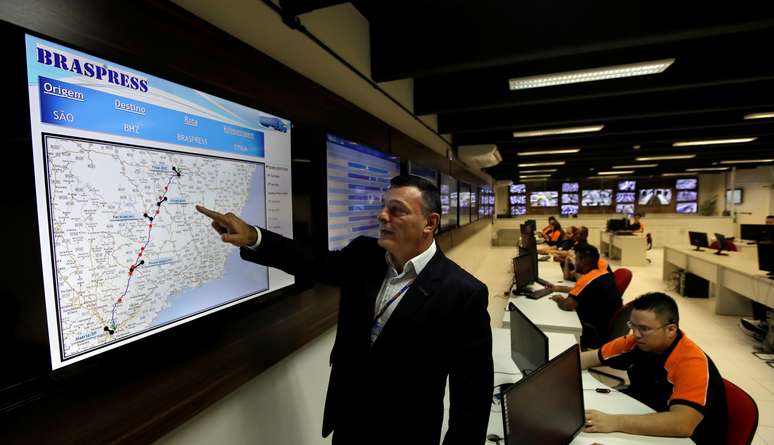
x=698 y=239
x=546 y=406
x=528 y=237
x=532 y=252
x=523 y=274
x=532 y=223
x=757 y=232
x=721 y=244
x=529 y=345
x=614 y=225
x=765 y=258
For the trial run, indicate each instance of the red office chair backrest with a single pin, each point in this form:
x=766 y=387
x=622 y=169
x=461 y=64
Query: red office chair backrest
x=622 y=279
x=742 y=415
x=729 y=247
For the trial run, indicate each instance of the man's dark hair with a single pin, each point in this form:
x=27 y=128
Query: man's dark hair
x=587 y=252
x=431 y=198
x=638 y=215
x=770 y=217
x=660 y=303
x=551 y=218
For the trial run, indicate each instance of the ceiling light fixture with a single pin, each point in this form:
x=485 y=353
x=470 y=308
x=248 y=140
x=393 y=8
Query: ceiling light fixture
x=545 y=170
x=558 y=151
x=706 y=169
x=664 y=158
x=541 y=164
x=746 y=161
x=636 y=166
x=759 y=115
x=713 y=142
x=616 y=172
x=534 y=180
x=553 y=131
x=678 y=174
x=535 y=176
x=590 y=75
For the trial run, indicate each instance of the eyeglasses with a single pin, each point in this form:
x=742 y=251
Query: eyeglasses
x=644 y=330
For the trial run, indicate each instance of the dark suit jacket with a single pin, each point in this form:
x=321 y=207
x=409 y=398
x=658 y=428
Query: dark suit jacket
x=392 y=391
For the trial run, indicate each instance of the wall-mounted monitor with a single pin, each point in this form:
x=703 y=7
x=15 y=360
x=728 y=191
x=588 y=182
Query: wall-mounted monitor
x=684 y=195
x=627 y=209
x=568 y=209
x=518 y=210
x=517 y=188
x=423 y=172
x=570 y=187
x=357 y=177
x=518 y=199
x=544 y=199
x=627 y=186
x=597 y=198
x=120 y=159
x=465 y=204
x=735 y=197
x=570 y=198
x=624 y=198
x=650 y=197
x=686 y=207
x=686 y=184
x=448 y=208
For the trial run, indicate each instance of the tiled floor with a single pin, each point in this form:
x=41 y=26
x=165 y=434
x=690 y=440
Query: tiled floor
x=719 y=336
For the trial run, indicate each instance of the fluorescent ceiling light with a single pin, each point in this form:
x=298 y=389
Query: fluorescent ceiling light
x=759 y=115
x=535 y=176
x=552 y=131
x=558 y=151
x=616 y=172
x=746 y=161
x=590 y=75
x=664 y=158
x=534 y=180
x=713 y=142
x=706 y=169
x=678 y=174
x=545 y=170
x=541 y=164
x=636 y=166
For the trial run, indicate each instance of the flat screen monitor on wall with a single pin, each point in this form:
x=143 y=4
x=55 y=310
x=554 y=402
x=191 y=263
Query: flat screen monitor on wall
x=624 y=198
x=544 y=199
x=683 y=196
x=465 y=204
x=627 y=209
x=686 y=207
x=357 y=177
x=655 y=197
x=448 y=191
x=569 y=209
x=120 y=160
x=570 y=198
x=735 y=197
x=597 y=198
x=626 y=186
x=686 y=184
x=518 y=210
x=570 y=187
x=517 y=199
x=517 y=188
x=423 y=172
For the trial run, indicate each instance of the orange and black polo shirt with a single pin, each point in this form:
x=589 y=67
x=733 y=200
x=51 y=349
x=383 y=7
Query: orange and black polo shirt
x=598 y=300
x=683 y=374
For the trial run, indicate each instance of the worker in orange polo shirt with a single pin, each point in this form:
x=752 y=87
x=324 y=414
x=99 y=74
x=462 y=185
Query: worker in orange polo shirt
x=636 y=225
x=595 y=296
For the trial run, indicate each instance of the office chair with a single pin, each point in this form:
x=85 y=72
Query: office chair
x=728 y=247
x=622 y=278
x=618 y=326
x=742 y=415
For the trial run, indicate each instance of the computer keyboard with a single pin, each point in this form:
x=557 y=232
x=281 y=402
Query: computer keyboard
x=542 y=281
x=540 y=293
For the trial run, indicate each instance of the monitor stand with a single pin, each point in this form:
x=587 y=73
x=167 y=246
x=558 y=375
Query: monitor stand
x=698 y=248
x=721 y=253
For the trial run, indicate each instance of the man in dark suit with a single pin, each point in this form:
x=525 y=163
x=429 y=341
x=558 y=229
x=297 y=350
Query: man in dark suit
x=408 y=318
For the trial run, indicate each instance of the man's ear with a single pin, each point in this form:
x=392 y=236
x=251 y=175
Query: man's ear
x=433 y=223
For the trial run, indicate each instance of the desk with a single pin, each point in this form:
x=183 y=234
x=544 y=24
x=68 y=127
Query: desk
x=547 y=316
x=734 y=279
x=629 y=249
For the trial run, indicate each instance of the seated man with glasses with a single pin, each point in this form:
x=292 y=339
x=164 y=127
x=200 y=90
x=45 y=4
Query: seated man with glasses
x=668 y=372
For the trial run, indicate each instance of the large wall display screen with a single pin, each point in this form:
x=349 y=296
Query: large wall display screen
x=121 y=159
x=448 y=192
x=358 y=176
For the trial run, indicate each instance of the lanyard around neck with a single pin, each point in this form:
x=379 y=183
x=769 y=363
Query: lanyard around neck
x=393 y=299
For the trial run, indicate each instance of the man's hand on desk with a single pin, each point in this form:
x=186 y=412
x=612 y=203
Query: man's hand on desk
x=564 y=303
x=557 y=288
x=599 y=422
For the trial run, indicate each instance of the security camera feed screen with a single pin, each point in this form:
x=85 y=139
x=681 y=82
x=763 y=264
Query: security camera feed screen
x=683 y=196
x=686 y=184
x=448 y=209
x=686 y=207
x=655 y=197
x=627 y=209
x=597 y=198
x=569 y=210
x=570 y=198
x=517 y=188
x=518 y=210
x=570 y=187
x=518 y=199
x=624 y=198
x=626 y=186
x=544 y=199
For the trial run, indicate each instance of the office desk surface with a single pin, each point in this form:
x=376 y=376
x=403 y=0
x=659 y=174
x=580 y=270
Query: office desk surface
x=546 y=315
